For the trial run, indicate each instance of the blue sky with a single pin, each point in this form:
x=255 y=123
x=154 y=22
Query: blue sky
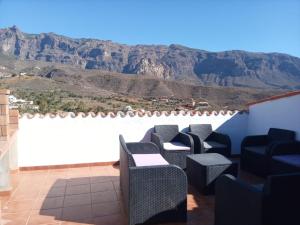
x=213 y=25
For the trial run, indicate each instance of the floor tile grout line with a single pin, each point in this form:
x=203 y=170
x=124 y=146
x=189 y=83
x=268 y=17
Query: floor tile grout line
x=63 y=203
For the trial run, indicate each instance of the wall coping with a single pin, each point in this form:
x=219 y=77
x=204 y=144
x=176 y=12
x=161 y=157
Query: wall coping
x=140 y=113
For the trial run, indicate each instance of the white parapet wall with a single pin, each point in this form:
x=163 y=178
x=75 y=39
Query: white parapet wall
x=68 y=139
x=277 y=113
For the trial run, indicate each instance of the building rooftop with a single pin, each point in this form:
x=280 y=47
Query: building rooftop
x=84 y=195
x=275 y=97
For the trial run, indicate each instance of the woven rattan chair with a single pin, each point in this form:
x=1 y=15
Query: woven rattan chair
x=256 y=151
x=286 y=158
x=208 y=141
x=152 y=193
x=276 y=202
x=174 y=145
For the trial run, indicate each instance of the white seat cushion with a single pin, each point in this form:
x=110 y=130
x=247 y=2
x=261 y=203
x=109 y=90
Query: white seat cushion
x=149 y=160
x=212 y=144
x=175 y=146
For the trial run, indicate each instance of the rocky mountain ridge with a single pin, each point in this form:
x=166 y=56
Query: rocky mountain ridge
x=174 y=62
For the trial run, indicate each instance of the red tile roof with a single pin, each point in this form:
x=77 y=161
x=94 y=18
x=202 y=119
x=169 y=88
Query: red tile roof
x=275 y=97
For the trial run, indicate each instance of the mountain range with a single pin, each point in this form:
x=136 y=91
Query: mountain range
x=174 y=62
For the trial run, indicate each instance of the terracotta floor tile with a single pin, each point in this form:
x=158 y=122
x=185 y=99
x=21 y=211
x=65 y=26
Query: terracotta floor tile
x=119 y=195
x=79 y=169
x=105 y=186
x=55 y=182
x=58 y=170
x=49 y=203
x=33 y=172
x=116 y=185
x=113 y=172
x=34 y=179
x=99 y=179
x=78 y=181
x=105 y=209
x=4 y=200
x=115 y=178
x=14 y=218
x=75 y=200
x=49 y=192
x=16 y=178
x=18 y=206
x=25 y=194
x=29 y=186
x=77 y=213
x=117 y=219
x=88 y=221
x=78 y=189
x=79 y=173
x=104 y=196
x=58 y=175
x=48 y=216
x=99 y=168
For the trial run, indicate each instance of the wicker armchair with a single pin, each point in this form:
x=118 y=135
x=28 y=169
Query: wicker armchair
x=286 y=157
x=151 y=194
x=256 y=151
x=208 y=141
x=174 y=145
x=274 y=203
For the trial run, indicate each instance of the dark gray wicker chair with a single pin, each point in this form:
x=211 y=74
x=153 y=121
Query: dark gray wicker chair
x=151 y=194
x=208 y=141
x=274 y=203
x=286 y=158
x=256 y=151
x=169 y=134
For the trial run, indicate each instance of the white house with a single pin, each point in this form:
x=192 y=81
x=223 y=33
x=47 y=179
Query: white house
x=280 y=111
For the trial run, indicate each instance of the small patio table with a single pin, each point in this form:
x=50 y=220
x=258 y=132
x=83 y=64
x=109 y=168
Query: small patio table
x=203 y=170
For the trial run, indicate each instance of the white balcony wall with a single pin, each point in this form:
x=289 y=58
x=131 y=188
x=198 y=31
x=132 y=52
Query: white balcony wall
x=280 y=113
x=56 y=141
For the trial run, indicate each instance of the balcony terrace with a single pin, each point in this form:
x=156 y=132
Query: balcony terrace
x=62 y=169
x=83 y=195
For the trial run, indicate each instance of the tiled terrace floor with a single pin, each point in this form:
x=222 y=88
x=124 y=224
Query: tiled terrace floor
x=86 y=195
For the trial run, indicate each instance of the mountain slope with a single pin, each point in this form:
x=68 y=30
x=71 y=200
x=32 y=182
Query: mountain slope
x=174 y=62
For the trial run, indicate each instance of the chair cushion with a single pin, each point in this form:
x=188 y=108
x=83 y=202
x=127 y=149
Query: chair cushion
x=260 y=149
x=293 y=159
x=213 y=144
x=149 y=160
x=175 y=146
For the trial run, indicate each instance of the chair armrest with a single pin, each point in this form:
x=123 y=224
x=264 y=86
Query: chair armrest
x=236 y=202
x=142 y=148
x=221 y=138
x=285 y=148
x=255 y=140
x=186 y=139
x=156 y=139
x=198 y=142
x=156 y=189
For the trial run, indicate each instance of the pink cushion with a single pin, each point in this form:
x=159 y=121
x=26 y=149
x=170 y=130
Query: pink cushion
x=149 y=160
